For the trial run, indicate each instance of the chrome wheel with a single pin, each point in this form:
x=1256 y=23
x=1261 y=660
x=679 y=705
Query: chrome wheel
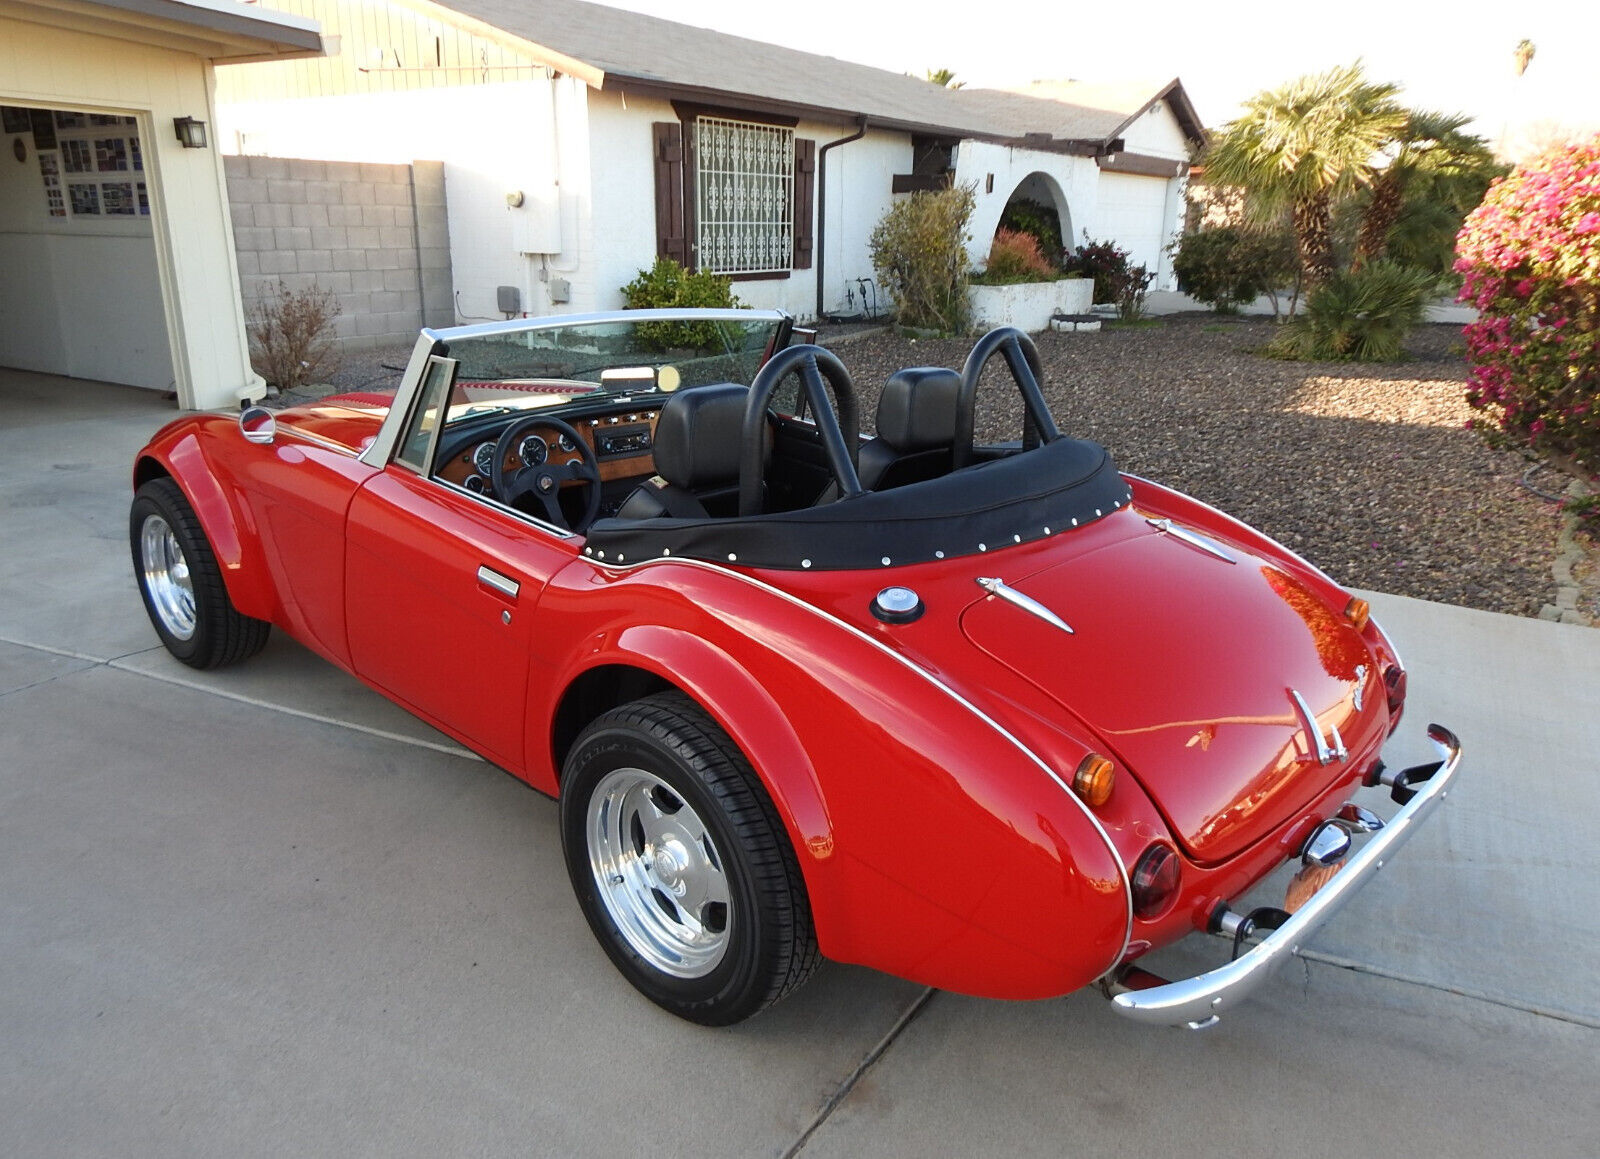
x=166 y=577
x=659 y=873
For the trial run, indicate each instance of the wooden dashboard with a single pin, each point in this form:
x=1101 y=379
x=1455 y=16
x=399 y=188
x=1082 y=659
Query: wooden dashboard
x=622 y=445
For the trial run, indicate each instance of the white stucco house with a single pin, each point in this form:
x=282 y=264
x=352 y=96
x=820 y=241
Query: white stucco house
x=579 y=142
x=116 y=251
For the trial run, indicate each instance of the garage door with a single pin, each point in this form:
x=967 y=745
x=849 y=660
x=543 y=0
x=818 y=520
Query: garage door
x=1132 y=212
x=80 y=290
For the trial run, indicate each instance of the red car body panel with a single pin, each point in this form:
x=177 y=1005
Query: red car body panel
x=920 y=769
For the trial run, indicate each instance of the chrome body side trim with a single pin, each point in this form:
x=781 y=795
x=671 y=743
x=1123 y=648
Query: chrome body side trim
x=930 y=678
x=490 y=501
x=996 y=586
x=1200 y=1000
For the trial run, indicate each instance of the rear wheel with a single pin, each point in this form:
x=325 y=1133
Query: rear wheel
x=681 y=865
x=182 y=585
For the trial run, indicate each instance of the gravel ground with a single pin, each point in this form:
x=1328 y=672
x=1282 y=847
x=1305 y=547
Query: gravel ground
x=1364 y=469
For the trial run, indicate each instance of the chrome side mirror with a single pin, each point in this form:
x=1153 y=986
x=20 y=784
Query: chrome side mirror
x=258 y=425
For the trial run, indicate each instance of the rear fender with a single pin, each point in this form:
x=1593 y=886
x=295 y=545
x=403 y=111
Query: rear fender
x=750 y=715
x=933 y=844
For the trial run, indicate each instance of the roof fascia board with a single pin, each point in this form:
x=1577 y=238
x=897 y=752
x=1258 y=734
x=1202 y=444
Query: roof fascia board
x=1142 y=165
x=1182 y=110
x=589 y=74
x=96 y=21
x=232 y=21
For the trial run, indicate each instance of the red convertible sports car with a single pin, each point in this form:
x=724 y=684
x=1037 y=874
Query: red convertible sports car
x=996 y=718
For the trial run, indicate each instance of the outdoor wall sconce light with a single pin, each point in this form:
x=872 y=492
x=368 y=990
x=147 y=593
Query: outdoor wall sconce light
x=190 y=131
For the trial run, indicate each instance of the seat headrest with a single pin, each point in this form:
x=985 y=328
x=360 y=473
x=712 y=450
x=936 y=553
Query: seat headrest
x=917 y=410
x=699 y=435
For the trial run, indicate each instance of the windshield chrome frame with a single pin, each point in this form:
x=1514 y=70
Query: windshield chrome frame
x=383 y=446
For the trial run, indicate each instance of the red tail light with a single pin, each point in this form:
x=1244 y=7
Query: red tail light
x=1394 y=684
x=1155 y=881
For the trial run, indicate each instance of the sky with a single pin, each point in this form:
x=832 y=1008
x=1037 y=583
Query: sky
x=1449 y=55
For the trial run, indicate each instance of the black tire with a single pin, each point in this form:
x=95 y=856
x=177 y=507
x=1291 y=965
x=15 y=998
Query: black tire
x=644 y=763
x=182 y=585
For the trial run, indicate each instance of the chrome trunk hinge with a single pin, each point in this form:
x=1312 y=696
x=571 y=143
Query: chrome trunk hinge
x=1326 y=753
x=998 y=587
x=1192 y=538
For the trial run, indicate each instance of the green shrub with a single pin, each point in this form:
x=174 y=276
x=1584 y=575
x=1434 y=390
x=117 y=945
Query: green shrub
x=1225 y=266
x=1014 y=257
x=1042 y=221
x=1102 y=261
x=1362 y=316
x=919 y=250
x=667 y=285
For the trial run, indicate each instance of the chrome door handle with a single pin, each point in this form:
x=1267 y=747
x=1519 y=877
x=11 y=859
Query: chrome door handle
x=502 y=584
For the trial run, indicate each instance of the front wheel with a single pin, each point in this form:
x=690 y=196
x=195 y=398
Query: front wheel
x=681 y=865
x=182 y=585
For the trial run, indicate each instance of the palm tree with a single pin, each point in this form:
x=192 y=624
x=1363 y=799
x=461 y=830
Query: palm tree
x=1432 y=157
x=1300 y=146
x=1523 y=55
x=945 y=78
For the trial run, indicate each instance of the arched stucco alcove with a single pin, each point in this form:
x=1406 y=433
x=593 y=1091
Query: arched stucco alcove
x=1037 y=187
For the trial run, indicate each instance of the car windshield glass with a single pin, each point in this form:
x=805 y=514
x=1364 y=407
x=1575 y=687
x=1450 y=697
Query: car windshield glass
x=544 y=365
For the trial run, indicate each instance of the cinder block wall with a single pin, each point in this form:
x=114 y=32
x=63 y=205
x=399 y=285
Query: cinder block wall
x=375 y=235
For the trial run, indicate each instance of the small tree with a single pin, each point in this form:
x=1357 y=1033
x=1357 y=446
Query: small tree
x=1224 y=267
x=919 y=250
x=291 y=335
x=1530 y=255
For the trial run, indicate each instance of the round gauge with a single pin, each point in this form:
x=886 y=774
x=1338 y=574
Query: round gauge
x=483 y=459
x=533 y=451
x=566 y=444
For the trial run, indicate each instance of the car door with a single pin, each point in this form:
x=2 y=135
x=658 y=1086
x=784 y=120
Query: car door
x=441 y=588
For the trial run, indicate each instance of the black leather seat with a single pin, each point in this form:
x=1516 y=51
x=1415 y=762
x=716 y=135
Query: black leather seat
x=697 y=443
x=916 y=431
x=916 y=428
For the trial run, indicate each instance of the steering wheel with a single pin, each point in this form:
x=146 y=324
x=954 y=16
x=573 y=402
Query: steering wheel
x=841 y=432
x=1022 y=358
x=543 y=480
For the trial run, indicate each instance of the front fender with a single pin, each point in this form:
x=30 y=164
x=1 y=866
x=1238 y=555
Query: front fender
x=180 y=451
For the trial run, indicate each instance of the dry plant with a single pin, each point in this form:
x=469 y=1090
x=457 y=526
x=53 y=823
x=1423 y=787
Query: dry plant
x=291 y=336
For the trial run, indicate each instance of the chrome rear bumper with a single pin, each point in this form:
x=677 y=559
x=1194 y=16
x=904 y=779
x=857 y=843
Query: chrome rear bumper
x=1200 y=1001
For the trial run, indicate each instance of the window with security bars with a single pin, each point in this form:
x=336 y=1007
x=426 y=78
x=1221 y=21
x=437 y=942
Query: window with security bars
x=744 y=196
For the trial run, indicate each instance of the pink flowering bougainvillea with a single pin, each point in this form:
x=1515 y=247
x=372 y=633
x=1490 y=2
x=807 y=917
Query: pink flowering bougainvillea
x=1530 y=257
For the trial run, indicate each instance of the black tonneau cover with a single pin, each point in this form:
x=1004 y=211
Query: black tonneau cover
x=1039 y=492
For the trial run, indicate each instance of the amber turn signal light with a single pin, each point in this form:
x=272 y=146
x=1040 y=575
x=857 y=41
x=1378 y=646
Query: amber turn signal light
x=1094 y=779
x=1358 y=612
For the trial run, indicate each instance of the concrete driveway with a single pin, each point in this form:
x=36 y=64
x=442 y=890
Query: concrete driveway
x=264 y=912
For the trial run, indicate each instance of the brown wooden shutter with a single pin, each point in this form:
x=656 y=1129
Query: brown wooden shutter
x=805 y=200
x=671 y=241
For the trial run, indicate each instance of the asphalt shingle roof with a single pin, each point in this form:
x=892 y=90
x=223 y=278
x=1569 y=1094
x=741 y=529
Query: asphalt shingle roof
x=648 y=51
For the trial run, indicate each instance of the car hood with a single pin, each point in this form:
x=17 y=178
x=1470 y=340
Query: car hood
x=350 y=421
x=1186 y=666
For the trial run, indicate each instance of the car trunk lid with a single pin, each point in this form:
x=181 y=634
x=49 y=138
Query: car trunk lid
x=1188 y=666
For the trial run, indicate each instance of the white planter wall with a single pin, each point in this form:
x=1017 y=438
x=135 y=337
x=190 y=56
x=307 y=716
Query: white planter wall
x=1029 y=305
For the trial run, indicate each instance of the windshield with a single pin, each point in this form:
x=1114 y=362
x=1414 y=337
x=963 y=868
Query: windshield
x=545 y=365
